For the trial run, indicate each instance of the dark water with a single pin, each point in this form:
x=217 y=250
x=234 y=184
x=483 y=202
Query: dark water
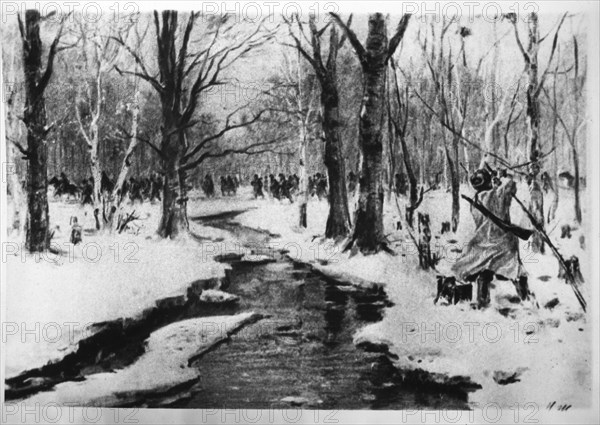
x=305 y=349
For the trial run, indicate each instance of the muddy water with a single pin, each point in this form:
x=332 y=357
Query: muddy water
x=305 y=349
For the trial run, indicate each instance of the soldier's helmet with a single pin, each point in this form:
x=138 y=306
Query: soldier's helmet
x=481 y=180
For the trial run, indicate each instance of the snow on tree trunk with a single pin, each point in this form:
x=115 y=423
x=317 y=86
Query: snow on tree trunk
x=536 y=203
x=302 y=123
x=117 y=194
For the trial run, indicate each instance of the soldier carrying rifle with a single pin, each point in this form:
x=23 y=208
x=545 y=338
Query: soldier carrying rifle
x=493 y=251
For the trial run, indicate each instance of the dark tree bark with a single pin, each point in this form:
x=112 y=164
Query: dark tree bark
x=172 y=143
x=338 y=220
x=368 y=234
x=179 y=95
x=37 y=237
x=454 y=184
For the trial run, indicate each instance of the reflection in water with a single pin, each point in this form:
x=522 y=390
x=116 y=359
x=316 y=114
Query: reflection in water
x=305 y=349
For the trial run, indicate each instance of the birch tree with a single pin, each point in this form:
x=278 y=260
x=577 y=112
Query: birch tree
x=338 y=220
x=368 y=233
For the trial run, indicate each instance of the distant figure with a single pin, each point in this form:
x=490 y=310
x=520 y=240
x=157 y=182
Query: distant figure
x=223 y=183
x=274 y=187
x=231 y=186
x=257 y=186
x=284 y=188
x=135 y=190
x=208 y=187
x=400 y=184
x=155 y=187
x=106 y=183
x=566 y=178
x=75 y=231
x=321 y=186
x=87 y=192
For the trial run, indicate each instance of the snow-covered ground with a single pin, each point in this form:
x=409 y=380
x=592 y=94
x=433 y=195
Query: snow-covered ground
x=164 y=364
x=52 y=302
x=511 y=355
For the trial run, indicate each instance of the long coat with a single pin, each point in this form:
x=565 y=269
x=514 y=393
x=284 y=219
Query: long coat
x=491 y=248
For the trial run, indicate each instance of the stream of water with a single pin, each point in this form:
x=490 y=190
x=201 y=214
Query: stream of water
x=304 y=353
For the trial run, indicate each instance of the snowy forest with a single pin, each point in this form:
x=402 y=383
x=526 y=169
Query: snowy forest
x=319 y=191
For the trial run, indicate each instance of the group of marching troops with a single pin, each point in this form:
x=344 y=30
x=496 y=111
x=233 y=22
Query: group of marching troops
x=283 y=187
x=136 y=189
x=229 y=186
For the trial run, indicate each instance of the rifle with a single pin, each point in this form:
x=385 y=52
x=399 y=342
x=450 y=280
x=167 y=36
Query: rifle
x=518 y=231
x=570 y=278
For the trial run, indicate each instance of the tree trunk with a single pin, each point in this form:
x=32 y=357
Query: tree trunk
x=452 y=159
x=302 y=122
x=118 y=189
x=412 y=182
x=338 y=221
x=302 y=213
x=37 y=227
x=368 y=230
x=174 y=203
x=536 y=203
x=575 y=156
x=96 y=171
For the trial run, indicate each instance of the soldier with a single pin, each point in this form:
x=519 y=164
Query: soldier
x=257 y=186
x=284 y=188
x=493 y=251
x=208 y=186
x=274 y=187
x=223 y=185
x=75 y=231
x=87 y=192
x=231 y=185
x=321 y=186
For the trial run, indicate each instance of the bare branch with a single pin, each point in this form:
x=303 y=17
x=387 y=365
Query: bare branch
x=249 y=150
x=554 y=44
x=41 y=86
x=358 y=47
x=518 y=38
x=397 y=38
x=228 y=127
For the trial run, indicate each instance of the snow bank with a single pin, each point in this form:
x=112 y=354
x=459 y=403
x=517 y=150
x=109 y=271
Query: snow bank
x=511 y=349
x=164 y=365
x=52 y=302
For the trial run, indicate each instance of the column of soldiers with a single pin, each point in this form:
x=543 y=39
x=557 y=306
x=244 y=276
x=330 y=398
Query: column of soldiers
x=136 y=189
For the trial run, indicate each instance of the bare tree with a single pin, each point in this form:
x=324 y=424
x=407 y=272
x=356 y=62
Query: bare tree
x=293 y=96
x=399 y=122
x=453 y=99
x=577 y=123
x=132 y=136
x=183 y=75
x=99 y=53
x=14 y=133
x=36 y=80
x=534 y=88
x=368 y=234
x=338 y=220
